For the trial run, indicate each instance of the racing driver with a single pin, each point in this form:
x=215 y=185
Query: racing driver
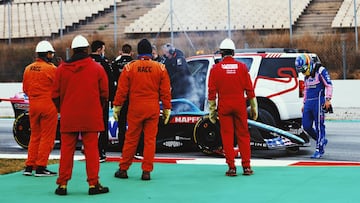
x=317 y=97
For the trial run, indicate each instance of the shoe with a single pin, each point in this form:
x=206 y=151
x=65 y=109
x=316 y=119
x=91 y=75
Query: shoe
x=145 y=175
x=82 y=149
x=231 y=172
x=247 y=171
x=317 y=154
x=325 y=142
x=61 y=190
x=98 y=189
x=138 y=156
x=322 y=150
x=121 y=174
x=102 y=154
x=102 y=159
x=43 y=172
x=28 y=171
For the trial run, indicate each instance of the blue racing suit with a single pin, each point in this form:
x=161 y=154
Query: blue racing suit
x=318 y=87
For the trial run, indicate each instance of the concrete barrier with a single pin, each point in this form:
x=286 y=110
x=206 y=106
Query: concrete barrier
x=345 y=95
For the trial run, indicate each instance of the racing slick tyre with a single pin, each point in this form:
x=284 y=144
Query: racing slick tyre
x=296 y=149
x=207 y=136
x=292 y=150
x=266 y=118
x=21 y=130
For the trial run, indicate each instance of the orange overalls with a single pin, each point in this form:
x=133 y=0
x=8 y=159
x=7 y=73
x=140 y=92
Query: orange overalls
x=229 y=80
x=146 y=82
x=38 y=80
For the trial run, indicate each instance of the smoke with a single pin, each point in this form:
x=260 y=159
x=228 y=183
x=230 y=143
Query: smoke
x=190 y=87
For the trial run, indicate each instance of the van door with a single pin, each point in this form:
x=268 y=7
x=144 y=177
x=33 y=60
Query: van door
x=278 y=81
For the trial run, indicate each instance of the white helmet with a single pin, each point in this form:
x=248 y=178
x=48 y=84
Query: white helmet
x=79 y=41
x=44 y=46
x=227 y=44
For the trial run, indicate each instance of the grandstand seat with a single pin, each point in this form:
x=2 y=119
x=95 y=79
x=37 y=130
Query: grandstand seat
x=210 y=15
x=40 y=18
x=345 y=16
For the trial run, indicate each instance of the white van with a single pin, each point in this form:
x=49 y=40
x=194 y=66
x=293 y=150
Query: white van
x=278 y=87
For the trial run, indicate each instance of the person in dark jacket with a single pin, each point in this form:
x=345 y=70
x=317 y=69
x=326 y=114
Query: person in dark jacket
x=180 y=76
x=155 y=54
x=98 y=54
x=118 y=64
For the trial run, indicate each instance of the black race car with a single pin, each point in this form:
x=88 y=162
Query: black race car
x=189 y=129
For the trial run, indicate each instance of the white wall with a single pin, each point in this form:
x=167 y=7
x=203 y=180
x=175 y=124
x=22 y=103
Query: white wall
x=345 y=95
x=8 y=90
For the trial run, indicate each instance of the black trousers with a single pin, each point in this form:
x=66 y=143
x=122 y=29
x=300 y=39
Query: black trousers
x=104 y=135
x=122 y=123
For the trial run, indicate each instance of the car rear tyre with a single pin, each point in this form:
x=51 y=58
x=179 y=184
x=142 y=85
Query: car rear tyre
x=207 y=136
x=21 y=130
x=293 y=150
x=266 y=118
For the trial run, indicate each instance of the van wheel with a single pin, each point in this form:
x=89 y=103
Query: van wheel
x=21 y=130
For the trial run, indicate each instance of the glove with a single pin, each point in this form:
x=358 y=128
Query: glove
x=116 y=110
x=253 y=109
x=327 y=104
x=212 y=111
x=328 y=107
x=166 y=115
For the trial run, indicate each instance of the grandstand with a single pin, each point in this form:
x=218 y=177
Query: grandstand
x=345 y=15
x=41 y=18
x=208 y=15
x=317 y=18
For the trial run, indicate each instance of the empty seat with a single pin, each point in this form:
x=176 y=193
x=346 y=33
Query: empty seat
x=345 y=16
x=37 y=18
x=213 y=15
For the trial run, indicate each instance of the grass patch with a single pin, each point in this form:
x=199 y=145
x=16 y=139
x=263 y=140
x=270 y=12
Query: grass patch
x=13 y=165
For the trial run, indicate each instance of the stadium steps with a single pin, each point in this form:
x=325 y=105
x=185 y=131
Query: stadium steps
x=127 y=12
x=317 y=17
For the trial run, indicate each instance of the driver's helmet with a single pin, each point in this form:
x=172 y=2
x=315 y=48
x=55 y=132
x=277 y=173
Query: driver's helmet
x=304 y=64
